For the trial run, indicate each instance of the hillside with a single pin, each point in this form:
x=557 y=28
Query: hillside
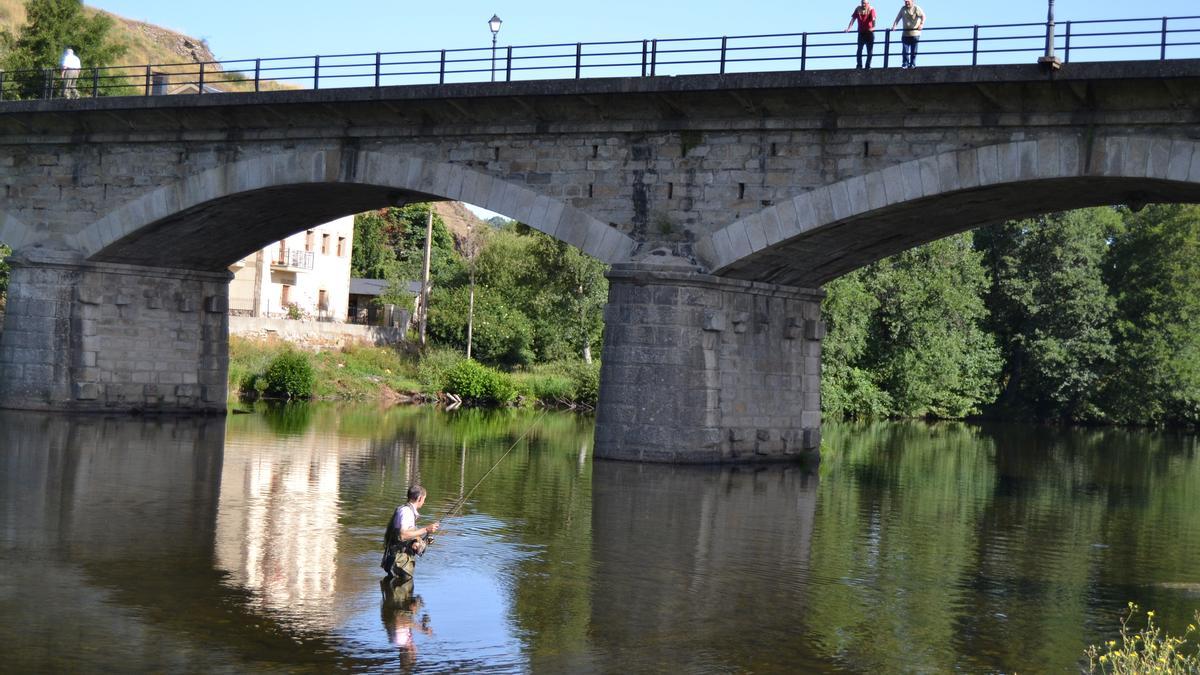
x=146 y=44
x=460 y=222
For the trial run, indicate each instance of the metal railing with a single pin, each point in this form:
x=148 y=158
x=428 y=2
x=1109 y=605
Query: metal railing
x=295 y=259
x=1157 y=38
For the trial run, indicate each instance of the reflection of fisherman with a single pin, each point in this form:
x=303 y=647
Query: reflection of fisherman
x=404 y=541
x=399 y=614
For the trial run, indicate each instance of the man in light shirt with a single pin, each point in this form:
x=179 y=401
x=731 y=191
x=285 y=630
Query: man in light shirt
x=913 y=19
x=70 y=66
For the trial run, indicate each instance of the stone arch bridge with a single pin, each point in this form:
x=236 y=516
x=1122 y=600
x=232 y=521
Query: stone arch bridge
x=722 y=202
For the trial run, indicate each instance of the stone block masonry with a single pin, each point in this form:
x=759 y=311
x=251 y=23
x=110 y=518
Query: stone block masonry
x=107 y=337
x=699 y=369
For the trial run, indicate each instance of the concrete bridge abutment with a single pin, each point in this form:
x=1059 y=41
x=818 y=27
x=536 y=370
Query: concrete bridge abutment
x=701 y=369
x=91 y=337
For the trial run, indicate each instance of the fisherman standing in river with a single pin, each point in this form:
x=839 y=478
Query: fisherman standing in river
x=404 y=541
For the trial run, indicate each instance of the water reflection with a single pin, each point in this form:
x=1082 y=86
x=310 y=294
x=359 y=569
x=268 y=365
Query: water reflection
x=701 y=567
x=253 y=544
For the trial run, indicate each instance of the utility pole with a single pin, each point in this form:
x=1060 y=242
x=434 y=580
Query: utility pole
x=471 y=302
x=425 y=272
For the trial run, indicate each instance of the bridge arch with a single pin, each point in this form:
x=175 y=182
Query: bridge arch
x=201 y=221
x=831 y=230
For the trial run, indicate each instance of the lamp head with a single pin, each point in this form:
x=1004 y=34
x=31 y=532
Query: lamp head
x=494 y=24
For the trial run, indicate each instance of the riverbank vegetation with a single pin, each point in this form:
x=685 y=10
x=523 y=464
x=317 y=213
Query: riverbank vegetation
x=1146 y=650
x=1089 y=316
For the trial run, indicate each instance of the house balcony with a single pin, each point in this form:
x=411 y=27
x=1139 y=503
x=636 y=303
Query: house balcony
x=293 y=260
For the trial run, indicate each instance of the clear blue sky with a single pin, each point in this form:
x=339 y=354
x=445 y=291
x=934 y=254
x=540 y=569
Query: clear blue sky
x=264 y=28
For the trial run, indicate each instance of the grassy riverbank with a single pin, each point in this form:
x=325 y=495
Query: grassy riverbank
x=399 y=375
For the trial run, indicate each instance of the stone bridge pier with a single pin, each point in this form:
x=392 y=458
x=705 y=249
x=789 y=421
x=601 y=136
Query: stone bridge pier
x=699 y=368
x=87 y=336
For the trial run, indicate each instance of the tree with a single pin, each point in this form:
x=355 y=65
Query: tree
x=907 y=336
x=1051 y=311
x=928 y=347
x=50 y=27
x=5 y=251
x=1153 y=271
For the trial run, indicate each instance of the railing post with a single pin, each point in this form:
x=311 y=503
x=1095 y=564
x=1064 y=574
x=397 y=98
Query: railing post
x=147 y=80
x=316 y=72
x=1 y=85
x=803 y=50
x=257 y=74
x=645 y=52
x=508 y=65
x=200 y=90
x=442 y=68
x=653 y=56
x=95 y=82
x=378 y=65
x=887 y=45
x=1067 y=48
x=578 y=58
x=1162 y=52
x=975 y=46
x=724 y=44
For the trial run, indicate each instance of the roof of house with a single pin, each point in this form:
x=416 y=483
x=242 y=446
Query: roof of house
x=378 y=287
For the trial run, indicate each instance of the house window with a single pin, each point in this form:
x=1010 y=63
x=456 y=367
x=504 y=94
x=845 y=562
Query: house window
x=282 y=252
x=341 y=247
x=324 y=244
x=308 y=240
x=285 y=296
x=322 y=300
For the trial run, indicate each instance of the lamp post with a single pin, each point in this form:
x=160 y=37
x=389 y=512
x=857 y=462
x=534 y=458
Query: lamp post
x=494 y=25
x=1049 y=60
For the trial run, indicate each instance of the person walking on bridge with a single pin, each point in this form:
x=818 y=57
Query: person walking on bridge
x=913 y=19
x=70 y=66
x=404 y=541
x=864 y=16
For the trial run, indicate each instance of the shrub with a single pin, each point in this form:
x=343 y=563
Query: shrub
x=290 y=375
x=475 y=381
x=586 y=377
x=433 y=367
x=1146 y=651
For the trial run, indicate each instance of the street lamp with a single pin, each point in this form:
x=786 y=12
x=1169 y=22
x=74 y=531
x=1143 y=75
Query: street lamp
x=1049 y=60
x=494 y=25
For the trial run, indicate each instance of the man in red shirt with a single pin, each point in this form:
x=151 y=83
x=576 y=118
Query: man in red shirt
x=864 y=14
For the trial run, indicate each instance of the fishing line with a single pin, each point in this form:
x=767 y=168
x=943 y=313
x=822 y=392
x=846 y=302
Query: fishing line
x=461 y=501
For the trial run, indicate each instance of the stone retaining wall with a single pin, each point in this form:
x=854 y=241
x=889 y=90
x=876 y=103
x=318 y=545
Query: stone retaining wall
x=314 y=335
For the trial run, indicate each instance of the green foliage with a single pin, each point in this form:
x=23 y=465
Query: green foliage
x=52 y=26
x=476 y=382
x=501 y=334
x=296 y=312
x=5 y=251
x=562 y=383
x=290 y=375
x=1051 y=311
x=390 y=244
x=1154 y=273
x=1146 y=651
x=435 y=367
x=908 y=337
x=560 y=290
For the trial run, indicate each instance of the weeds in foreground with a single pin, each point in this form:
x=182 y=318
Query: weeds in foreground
x=1148 y=650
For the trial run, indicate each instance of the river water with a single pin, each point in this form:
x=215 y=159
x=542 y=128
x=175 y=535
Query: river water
x=252 y=544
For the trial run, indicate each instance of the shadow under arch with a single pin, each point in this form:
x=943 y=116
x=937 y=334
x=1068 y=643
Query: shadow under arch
x=822 y=234
x=209 y=220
